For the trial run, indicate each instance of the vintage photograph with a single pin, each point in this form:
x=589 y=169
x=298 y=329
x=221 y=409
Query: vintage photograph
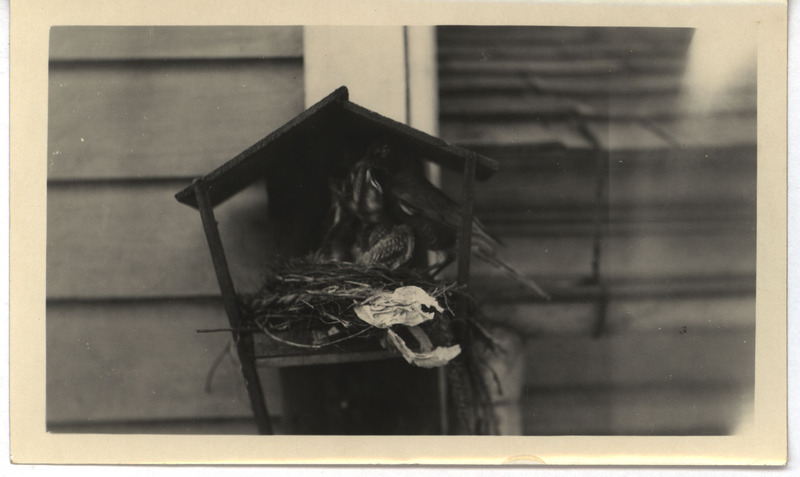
x=442 y=236
x=441 y=230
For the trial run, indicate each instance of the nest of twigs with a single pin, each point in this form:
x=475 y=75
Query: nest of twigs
x=310 y=304
x=307 y=303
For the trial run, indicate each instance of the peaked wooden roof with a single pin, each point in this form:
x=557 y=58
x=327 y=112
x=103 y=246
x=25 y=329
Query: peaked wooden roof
x=333 y=113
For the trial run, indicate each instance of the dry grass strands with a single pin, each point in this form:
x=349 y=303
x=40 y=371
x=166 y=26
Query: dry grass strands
x=309 y=303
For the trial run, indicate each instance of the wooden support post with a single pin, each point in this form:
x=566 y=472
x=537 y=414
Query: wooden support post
x=444 y=417
x=243 y=340
x=464 y=251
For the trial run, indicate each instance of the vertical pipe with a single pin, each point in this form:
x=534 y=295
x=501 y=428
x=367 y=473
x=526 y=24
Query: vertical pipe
x=465 y=232
x=598 y=217
x=407 y=75
x=421 y=113
x=244 y=341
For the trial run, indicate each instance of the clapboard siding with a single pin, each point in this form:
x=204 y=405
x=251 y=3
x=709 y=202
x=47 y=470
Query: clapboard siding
x=472 y=134
x=530 y=104
x=711 y=133
x=559 y=67
x=618 y=136
x=602 y=147
x=143 y=360
x=545 y=156
x=579 y=289
x=617 y=40
x=579 y=50
x=527 y=105
x=516 y=93
x=646 y=256
x=664 y=410
x=579 y=86
x=695 y=356
x=674 y=106
x=134 y=240
x=135 y=114
x=104 y=43
x=640 y=314
x=560 y=181
x=160 y=368
x=570 y=223
x=164 y=119
x=209 y=426
x=611 y=85
x=658 y=256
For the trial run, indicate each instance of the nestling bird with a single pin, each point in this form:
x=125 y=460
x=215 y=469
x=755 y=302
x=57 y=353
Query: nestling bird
x=383 y=187
x=360 y=229
x=387 y=244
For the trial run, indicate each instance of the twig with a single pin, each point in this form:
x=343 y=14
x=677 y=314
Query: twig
x=310 y=346
x=219 y=330
x=213 y=370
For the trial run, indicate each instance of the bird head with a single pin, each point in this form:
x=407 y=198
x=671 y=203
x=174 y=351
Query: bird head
x=362 y=191
x=376 y=158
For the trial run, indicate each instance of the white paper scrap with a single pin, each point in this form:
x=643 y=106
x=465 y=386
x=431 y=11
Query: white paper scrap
x=401 y=307
x=431 y=359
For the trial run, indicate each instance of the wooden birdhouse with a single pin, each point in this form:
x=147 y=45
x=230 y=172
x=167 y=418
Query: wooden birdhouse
x=301 y=163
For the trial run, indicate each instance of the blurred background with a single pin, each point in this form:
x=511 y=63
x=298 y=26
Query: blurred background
x=627 y=187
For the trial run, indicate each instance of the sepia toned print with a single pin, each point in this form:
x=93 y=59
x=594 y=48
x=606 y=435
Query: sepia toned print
x=626 y=186
x=537 y=233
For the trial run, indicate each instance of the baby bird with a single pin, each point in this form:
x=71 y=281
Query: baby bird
x=385 y=244
x=360 y=229
x=407 y=197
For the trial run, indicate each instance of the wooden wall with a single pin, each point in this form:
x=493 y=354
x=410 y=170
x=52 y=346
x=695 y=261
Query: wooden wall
x=135 y=114
x=655 y=333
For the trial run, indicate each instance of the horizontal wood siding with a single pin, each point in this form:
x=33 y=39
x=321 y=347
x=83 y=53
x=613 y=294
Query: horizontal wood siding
x=648 y=411
x=134 y=240
x=142 y=361
x=601 y=150
x=127 y=43
x=654 y=358
x=135 y=113
x=162 y=119
x=129 y=360
x=641 y=313
x=718 y=180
